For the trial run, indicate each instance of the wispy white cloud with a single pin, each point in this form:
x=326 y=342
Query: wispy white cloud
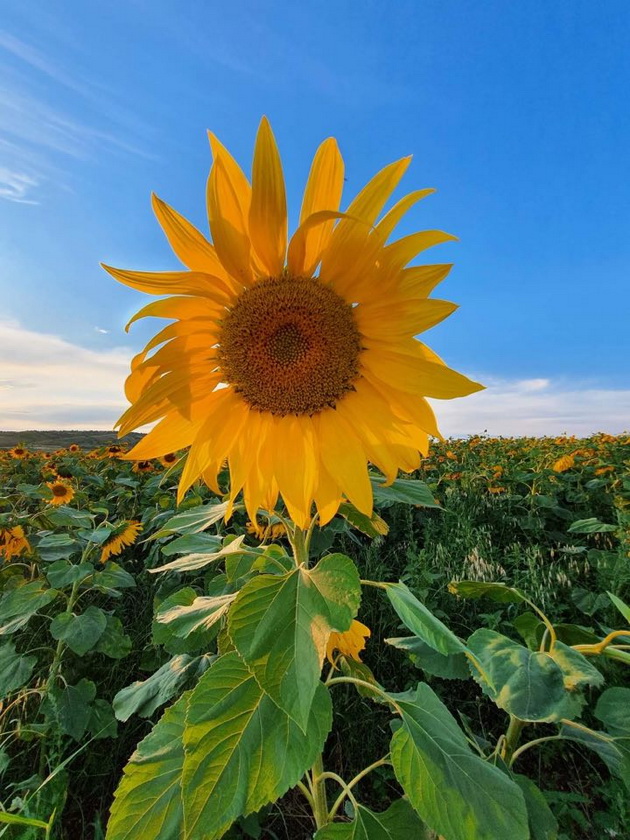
x=536 y=407
x=47 y=382
x=37 y=139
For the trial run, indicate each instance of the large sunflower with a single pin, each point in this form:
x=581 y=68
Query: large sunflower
x=295 y=361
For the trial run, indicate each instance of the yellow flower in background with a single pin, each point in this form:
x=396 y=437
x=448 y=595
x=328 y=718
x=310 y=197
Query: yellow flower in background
x=296 y=361
x=604 y=470
x=13 y=542
x=350 y=643
x=114 y=451
x=566 y=462
x=18 y=452
x=124 y=535
x=142 y=467
x=262 y=532
x=62 y=493
x=168 y=459
x=74 y=447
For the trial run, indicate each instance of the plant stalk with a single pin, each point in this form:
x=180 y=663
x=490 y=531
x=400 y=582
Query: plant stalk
x=320 y=803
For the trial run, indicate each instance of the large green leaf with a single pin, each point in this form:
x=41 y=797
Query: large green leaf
x=623 y=608
x=15 y=669
x=528 y=684
x=241 y=750
x=79 y=632
x=421 y=621
x=145 y=696
x=114 y=642
x=192 y=562
x=542 y=823
x=398 y=822
x=452 y=666
x=61 y=573
x=193 y=521
x=614 y=750
x=148 y=801
x=70 y=707
x=498 y=592
x=372 y=526
x=201 y=614
x=458 y=794
x=280 y=625
x=613 y=709
x=590 y=526
x=18 y=605
x=409 y=491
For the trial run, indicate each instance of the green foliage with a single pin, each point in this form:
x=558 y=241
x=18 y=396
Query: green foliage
x=454 y=790
x=398 y=822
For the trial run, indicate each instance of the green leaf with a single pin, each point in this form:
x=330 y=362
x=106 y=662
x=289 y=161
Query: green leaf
x=456 y=792
x=102 y=723
x=612 y=709
x=359 y=670
x=372 y=526
x=18 y=605
x=15 y=669
x=143 y=697
x=192 y=521
x=148 y=801
x=70 y=707
x=452 y=666
x=68 y=517
x=409 y=491
x=623 y=608
x=498 y=592
x=576 y=669
x=79 y=632
x=241 y=750
x=530 y=628
x=16 y=819
x=201 y=614
x=112 y=577
x=61 y=573
x=421 y=621
x=527 y=684
x=114 y=642
x=614 y=750
x=590 y=526
x=280 y=625
x=542 y=823
x=398 y=822
x=589 y=602
x=57 y=547
x=97 y=535
x=192 y=562
x=188 y=543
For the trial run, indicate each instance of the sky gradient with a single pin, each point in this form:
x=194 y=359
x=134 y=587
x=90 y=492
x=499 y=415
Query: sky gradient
x=516 y=113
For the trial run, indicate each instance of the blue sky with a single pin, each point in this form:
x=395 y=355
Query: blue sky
x=516 y=112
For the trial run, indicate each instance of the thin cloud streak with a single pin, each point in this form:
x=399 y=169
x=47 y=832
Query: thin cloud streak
x=47 y=382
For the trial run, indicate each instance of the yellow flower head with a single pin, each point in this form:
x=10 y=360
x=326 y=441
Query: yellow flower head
x=168 y=459
x=262 y=532
x=74 y=447
x=62 y=493
x=13 y=542
x=566 y=462
x=142 y=466
x=294 y=360
x=124 y=535
x=114 y=451
x=18 y=452
x=350 y=643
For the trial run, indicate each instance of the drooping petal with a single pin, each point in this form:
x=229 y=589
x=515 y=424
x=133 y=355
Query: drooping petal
x=268 y=211
x=167 y=282
x=344 y=459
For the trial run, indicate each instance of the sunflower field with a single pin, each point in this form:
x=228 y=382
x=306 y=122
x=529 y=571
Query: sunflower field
x=501 y=580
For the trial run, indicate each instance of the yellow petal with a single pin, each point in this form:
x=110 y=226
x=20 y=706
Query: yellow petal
x=399 y=253
x=166 y=282
x=420 y=280
x=295 y=466
x=268 y=211
x=418 y=376
x=178 y=307
x=297 y=258
x=323 y=192
x=172 y=433
x=214 y=438
x=393 y=217
x=348 y=238
x=327 y=495
x=388 y=321
x=228 y=224
x=343 y=457
x=191 y=246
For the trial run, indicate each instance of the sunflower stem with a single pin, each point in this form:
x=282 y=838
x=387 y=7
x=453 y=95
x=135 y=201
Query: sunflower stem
x=320 y=803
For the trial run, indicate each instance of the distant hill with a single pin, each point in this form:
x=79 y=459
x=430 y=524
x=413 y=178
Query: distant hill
x=62 y=438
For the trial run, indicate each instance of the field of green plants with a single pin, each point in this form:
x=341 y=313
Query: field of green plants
x=511 y=544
